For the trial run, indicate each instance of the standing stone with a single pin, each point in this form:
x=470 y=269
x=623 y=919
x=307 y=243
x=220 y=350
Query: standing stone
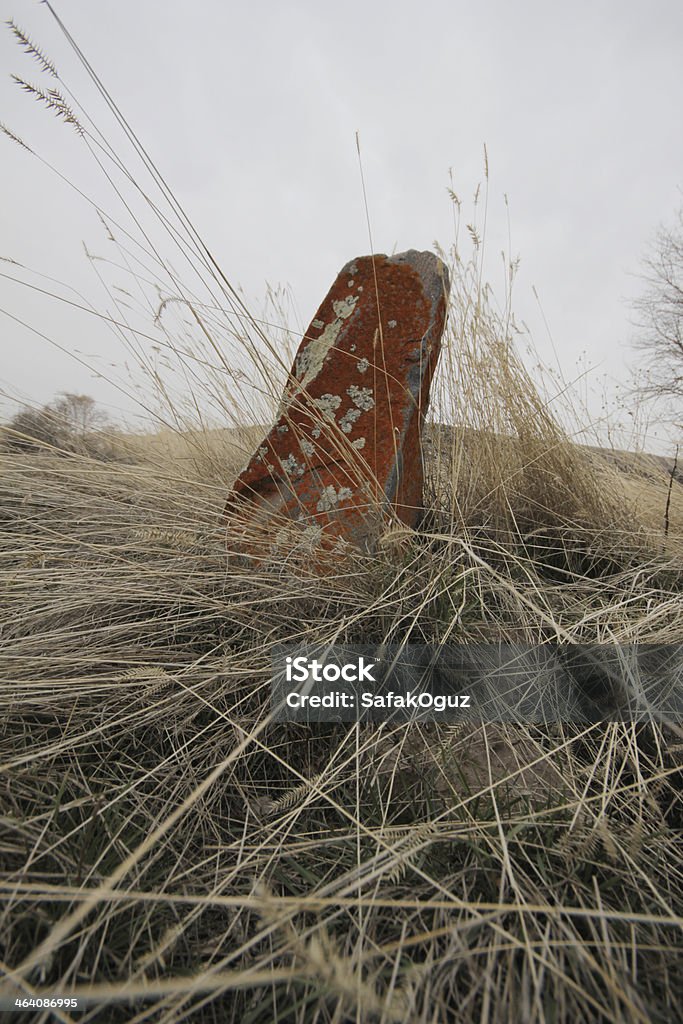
x=344 y=455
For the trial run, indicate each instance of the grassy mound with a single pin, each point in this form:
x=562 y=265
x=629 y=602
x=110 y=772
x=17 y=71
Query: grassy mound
x=171 y=854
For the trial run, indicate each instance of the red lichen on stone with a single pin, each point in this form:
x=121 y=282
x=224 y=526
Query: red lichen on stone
x=345 y=454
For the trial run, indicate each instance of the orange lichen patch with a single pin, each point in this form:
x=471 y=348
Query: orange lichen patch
x=344 y=454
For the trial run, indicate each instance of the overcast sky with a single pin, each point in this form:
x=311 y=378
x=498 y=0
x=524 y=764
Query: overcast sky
x=250 y=111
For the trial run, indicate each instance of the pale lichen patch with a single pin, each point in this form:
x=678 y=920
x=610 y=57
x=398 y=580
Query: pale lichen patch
x=328 y=404
x=291 y=466
x=319 y=324
x=343 y=308
x=330 y=498
x=261 y=453
x=283 y=428
x=361 y=397
x=392 y=323
x=306 y=447
x=362 y=365
x=358 y=443
x=348 y=419
x=309 y=361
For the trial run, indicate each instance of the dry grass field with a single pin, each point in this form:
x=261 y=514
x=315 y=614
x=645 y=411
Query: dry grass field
x=169 y=853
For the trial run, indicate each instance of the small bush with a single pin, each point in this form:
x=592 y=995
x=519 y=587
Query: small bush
x=32 y=429
x=70 y=423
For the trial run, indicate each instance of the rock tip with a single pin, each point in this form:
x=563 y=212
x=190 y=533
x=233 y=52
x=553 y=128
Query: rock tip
x=424 y=261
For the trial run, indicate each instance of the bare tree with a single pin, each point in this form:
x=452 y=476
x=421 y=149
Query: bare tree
x=79 y=413
x=659 y=314
x=70 y=423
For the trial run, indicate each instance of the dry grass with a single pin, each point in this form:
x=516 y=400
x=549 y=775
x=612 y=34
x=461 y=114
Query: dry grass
x=169 y=853
x=217 y=453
